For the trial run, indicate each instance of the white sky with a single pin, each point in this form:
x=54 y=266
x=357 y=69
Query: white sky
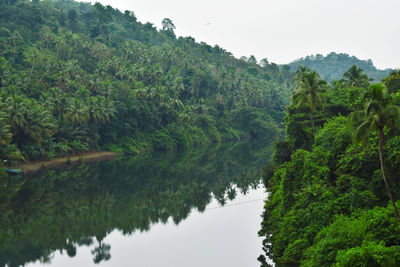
x=283 y=30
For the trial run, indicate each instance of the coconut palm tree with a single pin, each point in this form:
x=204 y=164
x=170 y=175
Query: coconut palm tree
x=377 y=115
x=100 y=109
x=5 y=135
x=4 y=69
x=310 y=89
x=29 y=121
x=355 y=77
x=33 y=56
x=76 y=111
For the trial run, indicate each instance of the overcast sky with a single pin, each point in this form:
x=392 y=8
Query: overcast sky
x=283 y=30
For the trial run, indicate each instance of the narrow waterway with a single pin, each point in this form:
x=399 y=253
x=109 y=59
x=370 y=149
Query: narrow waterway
x=200 y=207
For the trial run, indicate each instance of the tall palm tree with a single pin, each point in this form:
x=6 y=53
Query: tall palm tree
x=103 y=15
x=33 y=56
x=377 y=115
x=310 y=88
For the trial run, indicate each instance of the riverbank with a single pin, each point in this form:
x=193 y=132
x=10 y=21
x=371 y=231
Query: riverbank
x=32 y=167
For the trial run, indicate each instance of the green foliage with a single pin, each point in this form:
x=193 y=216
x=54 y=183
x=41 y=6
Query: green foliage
x=327 y=203
x=369 y=254
x=392 y=82
x=377 y=115
x=335 y=137
x=309 y=91
x=282 y=152
x=257 y=123
x=355 y=77
x=88 y=76
x=366 y=238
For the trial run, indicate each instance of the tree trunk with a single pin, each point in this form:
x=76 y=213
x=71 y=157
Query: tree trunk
x=312 y=123
x=389 y=192
x=33 y=66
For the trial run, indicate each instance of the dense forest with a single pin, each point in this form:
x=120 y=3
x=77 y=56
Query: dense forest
x=76 y=77
x=333 y=184
x=332 y=66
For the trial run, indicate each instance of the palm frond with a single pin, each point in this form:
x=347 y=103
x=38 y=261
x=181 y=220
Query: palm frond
x=373 y=107
x=357 y=116
x=363 y=131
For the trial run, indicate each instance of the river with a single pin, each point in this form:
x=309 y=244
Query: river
x=199 y=207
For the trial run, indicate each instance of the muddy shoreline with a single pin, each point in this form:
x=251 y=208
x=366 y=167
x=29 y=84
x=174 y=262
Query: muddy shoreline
x=32 y=167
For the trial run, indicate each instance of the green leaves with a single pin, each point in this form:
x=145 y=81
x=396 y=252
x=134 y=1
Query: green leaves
x=96 y=75
x=365 y=239
x=378 y=113
x=355 y=77
x=29 y=121
x=309 y=89
x=320 y=210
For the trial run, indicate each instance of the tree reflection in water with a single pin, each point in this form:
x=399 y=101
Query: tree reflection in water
x=63 y=209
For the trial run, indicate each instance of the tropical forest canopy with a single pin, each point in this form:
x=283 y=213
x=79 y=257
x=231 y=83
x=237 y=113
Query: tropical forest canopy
x=333 y=184
x=77 y=77
x=332 y=66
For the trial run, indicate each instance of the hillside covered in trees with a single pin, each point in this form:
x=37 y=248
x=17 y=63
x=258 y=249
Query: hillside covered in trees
x=333 y=185
x=332 y=66
x=77 y=77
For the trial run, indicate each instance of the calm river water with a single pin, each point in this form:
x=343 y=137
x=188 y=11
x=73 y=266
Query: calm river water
x=200 y=207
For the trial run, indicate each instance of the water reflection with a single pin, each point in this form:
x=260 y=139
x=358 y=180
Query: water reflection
x=79 y=206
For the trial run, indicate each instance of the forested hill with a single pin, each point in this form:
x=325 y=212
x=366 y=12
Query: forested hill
x=332 y=66
x=77 y=77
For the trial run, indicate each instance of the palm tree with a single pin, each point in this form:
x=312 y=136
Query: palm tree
x=29 y=121
x=103 y=15
x=4 y=69
x=100 y=109
x=33 y=56
x=309 y=90
x=8 y=152
x=377 y=115
x=392 y=81
x=5 y=135
x=76 y=111
x=355 y=77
